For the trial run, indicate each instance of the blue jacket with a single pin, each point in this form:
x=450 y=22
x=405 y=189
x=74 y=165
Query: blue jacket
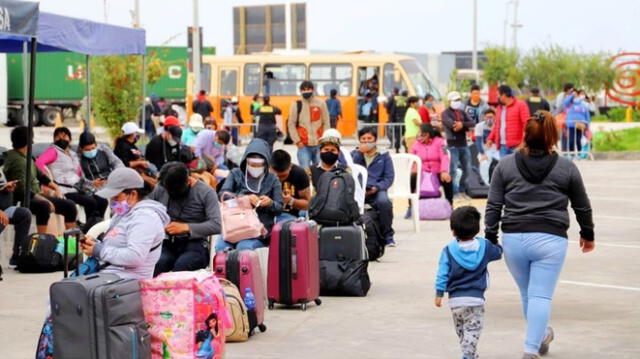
x=334 y=107
x=464 y=273
x=380 y=171
x=576 y=112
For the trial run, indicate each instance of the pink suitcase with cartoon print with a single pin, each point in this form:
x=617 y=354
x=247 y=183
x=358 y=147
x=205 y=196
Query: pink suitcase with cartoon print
x=187 y=315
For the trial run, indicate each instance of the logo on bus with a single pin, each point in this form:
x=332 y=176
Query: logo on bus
x=175 y=72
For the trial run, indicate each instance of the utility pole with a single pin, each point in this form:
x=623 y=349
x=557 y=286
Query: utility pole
x=196 y=48
x=515 y=24
x=474 y=54
x=506 y=23
x=136 y=13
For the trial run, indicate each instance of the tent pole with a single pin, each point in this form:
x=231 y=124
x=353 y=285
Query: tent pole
x=144 y=89
x=87 y=117
x=32 y=77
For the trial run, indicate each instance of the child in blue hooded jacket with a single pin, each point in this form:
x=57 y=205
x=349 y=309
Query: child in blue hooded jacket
x=462 y=272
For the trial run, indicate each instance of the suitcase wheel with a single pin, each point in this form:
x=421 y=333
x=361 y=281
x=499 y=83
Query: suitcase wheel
x=317 y=301
x=262 y=327
x=271 y=304
x=304 y=306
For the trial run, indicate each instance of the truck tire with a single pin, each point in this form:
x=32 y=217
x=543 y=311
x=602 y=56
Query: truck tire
x=49 y=116
x=12 y=115
x=20 y=121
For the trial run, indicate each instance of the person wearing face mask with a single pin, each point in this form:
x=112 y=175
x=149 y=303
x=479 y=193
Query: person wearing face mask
x=511 y=117
x=130 y=247
x=253 y=179
x=210 y=145
x=412 y=122
x=427 y=108
x=456 y=124
x=195 y=126
x=577 y=121
x=126 y=150
x=64 y=166
x=195 y=215
x=308 y=119
x=329 y=158
x=97 y=162
x=232 y=119
x=202 y=106
x=166 y=147
x=380 y=176
x=432 y=150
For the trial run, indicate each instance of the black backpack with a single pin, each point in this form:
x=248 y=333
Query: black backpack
x=39 y=255
x=374 y=241
x=334 y=204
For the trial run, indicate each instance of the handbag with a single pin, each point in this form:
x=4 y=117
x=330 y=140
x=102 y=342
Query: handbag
x=239 y=219
x=429 y=185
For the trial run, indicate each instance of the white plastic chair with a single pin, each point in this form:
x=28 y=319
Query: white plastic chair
x=360 y=176
x=401 y=188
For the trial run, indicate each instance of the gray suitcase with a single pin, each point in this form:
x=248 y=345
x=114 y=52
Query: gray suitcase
x=98 y=316
x=343 y=242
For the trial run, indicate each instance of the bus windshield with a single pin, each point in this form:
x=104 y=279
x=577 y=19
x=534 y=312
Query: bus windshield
x=419 y=78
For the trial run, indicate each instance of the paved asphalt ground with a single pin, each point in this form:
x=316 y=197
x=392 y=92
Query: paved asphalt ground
x=596 y=310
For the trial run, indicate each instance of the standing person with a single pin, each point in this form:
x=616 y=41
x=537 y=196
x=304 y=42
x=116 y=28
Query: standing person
x=150 y=124
x=97 y=161
x=255 y=106
x=296 y=191
x=202 y=105
x=474 y=106
x=432 y=150
x=462 y=272
x=380 y=176
x=511 y=117
x=412 y=122
x=308 y=119
x=562 y=96
x=529 y=195
x=537 y=102
x=233 y=119
x=267 y=122
x=577 y=121
x=456 y=124
x=195 y=125
x=399 y=112
x=165 y=147
x=334 y=107
x=426 y=108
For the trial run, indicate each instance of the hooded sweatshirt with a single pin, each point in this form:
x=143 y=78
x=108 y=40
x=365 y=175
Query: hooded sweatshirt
x=269 y=185
x=128 y=244
x=462 y=270
x=534 y=191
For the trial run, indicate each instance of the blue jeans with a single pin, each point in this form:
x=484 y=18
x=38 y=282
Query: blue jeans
x=284 y=216
x=535 y=261
x=307 y=155
x=460 y=156
x=234 y=135
x=246 y=244
x=505 y=150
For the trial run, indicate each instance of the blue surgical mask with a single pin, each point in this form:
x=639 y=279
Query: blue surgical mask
x=217 y=144
x=90 y=154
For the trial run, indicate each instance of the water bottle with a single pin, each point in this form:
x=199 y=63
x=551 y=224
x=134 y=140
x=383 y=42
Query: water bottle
x=249 y=299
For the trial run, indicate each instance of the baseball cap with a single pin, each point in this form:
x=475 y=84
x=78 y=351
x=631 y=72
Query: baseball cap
x=195 y=122
x=119 y=180
x=453 y=96
x=171 y=121
x=130 y=128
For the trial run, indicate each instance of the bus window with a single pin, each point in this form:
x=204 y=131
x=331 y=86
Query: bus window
x=283 y=79
x=389 y=81
x=368 y=79
x=228 y=82
x=251 y=79
x=327 y=77
x=419 y=78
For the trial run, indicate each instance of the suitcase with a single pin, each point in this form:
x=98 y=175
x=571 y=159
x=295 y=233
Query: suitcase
x=374 y=240
x=242 y=268
x=294 y=268
x=337 y=243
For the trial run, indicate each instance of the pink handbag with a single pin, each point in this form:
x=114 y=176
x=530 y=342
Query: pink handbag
x=239 y=219
x=429 y=185
x=434 y=209
x=179 y=307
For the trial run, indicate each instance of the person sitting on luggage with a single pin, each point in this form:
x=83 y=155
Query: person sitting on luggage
x=66 y=172
x=432 y=150
x=97 y=161
x=41 y=204
x=296 y=191
x=195 y=215
x=131 y=245
x=253 y=179
x=19 y=217
x=380 y=175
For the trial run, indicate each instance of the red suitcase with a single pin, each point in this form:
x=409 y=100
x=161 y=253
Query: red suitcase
x=294 y=265
x=242 y=268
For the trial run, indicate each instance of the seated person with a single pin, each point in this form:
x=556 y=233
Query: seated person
x=166 y=147
x=41 y=204
x=66 y=172
x=127 y=151
x=210 y=146
x=253 y=179
x=132 y=243
x=19 y=217
x=195 y=215
x=97 y=161
x=296 y=191
x=195 y=126
x=380 y=175
x=329 y=154
x=198 y=171
x=432 y=150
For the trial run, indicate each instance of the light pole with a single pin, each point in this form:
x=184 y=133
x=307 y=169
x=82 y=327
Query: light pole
x=474 y=54
x=506 y=23
x=515 y=24
x=136 y=13
x=196 y=48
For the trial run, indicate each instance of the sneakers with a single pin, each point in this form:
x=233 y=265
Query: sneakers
x=391 y=242
x=544 y=347
x=408 y=214
x=530 y=356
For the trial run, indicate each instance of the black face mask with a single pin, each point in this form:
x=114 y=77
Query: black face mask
x=329 y=158
x=62 y=144
x=307 y=95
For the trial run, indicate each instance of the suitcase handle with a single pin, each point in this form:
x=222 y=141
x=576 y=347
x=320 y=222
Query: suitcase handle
x=74 y=232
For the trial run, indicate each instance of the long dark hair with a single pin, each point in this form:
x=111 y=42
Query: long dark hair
x=432 y=131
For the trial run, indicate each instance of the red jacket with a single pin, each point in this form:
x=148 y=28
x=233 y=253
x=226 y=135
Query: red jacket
x=517 y=117
x=424 y=114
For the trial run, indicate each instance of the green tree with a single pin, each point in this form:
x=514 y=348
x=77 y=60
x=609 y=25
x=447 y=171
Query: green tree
x=116 y=88
x=596 y=72
x=501 y=66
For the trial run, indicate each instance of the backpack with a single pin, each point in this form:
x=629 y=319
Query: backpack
x=239 y=329
x=39 y=255
x=375 y=240
x=288 y=140
x=334 y=203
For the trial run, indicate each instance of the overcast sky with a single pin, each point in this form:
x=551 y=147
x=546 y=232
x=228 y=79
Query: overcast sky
x=427 y=26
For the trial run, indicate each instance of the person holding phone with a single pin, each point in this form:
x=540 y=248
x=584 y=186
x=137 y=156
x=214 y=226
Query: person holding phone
x=97 y=161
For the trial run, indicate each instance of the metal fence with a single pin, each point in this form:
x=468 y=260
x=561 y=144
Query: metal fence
x=575 y=143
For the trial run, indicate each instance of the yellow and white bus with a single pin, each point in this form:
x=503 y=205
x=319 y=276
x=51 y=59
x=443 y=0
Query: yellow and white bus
x=280 y=75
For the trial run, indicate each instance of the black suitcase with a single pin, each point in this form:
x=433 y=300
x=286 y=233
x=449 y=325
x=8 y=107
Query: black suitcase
x=342 y=242
x=374 y=239
x=475 y=186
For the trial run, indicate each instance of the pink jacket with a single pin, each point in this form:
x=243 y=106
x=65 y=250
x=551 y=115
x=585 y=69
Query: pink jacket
x=434 y=155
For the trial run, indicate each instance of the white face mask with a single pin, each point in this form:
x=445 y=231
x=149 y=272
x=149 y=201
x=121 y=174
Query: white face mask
x=255 y=172
x=172 y=142
x=456 y=105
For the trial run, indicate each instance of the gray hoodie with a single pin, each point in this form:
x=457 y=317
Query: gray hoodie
x=128 y=242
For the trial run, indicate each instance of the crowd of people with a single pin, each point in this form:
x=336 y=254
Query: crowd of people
x=166 y=201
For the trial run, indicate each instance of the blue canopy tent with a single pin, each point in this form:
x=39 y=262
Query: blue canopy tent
x=52 y=32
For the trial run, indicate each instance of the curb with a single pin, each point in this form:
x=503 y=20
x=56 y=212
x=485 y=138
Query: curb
x=616 y=156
